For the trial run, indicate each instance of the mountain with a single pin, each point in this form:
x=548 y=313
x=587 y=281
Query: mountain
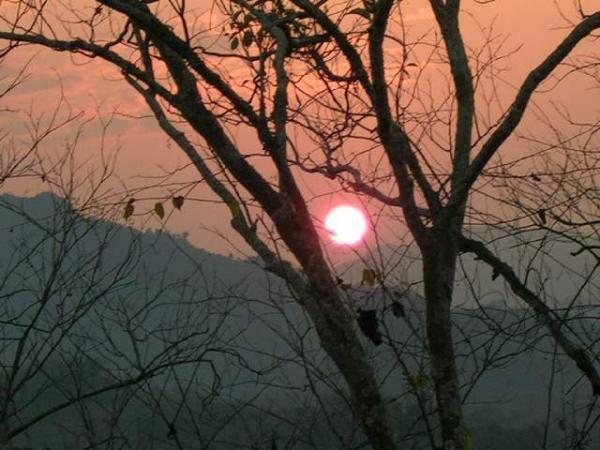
x=87 y=303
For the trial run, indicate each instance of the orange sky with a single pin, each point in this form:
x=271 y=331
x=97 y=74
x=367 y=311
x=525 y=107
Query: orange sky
x=93 y=87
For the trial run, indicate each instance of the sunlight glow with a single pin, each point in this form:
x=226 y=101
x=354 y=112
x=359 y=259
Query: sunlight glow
x=346 y=225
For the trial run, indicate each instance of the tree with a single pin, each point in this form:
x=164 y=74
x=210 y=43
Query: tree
x=86 y=321
x=338 y=77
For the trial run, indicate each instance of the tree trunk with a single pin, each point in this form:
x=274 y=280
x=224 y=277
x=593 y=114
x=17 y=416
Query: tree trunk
x=336 y=327
x=334 y=322
x=439 y=266
x=340 y=340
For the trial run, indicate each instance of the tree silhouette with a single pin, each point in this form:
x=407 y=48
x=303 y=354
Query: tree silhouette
x=327 y=89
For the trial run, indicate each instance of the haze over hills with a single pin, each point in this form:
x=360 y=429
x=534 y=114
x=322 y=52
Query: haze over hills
x=237 y=363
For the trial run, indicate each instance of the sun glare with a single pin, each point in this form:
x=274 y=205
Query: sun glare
x=346 y=225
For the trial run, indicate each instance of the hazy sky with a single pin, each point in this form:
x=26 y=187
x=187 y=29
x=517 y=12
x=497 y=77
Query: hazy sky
x=143 y=150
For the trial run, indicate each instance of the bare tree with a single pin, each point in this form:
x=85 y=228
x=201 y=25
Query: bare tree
x=336 y=75
x=85 y=323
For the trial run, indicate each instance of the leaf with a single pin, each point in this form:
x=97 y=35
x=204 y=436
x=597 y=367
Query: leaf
x=369 y=325
x=235 y=42
x=128 y=212
x=398 y=309
x=247 y=38
x=368 y=277
x=542 y=214
x=419 y=381
x=234 y=207
x=177 y=201
x=468 y=440
x=159 y=210
x=361 y=12
x=495 y=274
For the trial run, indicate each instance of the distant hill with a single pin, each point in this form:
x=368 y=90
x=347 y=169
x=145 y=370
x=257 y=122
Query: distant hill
x=33 y=216
x=96 y=299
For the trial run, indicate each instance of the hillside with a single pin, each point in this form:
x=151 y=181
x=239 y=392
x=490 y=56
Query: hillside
x=217 y=349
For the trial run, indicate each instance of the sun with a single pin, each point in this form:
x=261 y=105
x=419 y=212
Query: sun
x=346 y=225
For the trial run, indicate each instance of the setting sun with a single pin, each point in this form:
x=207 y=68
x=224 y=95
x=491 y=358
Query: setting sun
x=346 y=225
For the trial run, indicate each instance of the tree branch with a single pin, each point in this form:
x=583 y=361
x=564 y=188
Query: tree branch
x=554 y=324
x=92 y=51
x=517 y=110
x=448 y=20
x=273 y=263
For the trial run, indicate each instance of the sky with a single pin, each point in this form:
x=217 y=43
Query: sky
x=96 y=92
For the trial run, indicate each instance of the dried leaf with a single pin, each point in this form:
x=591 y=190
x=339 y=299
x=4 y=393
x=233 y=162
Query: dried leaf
x=235 y=42
x=369 y=325
x=398 y=309
x=128 y=212
x=159 y=210
x=247 y=39
x=234 y=207
x=177 y=201
x=368 y=277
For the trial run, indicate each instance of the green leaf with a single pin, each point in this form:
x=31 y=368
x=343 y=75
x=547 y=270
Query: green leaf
x=235 y=42
x=177 y=202
x=361 y=12
x=247 y=39
x=468 y=441
x=418 y=381
x=159 y=210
